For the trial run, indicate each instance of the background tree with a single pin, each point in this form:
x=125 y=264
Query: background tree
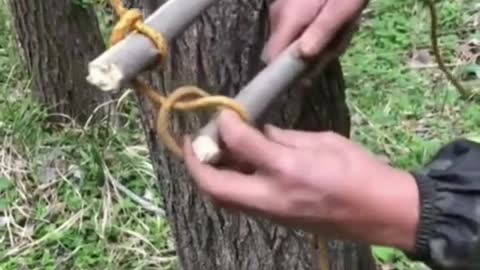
x=221 y=53
x=57 y=39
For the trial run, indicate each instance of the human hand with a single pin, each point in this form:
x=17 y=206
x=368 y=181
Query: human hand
x=316 y=181
x=316 y=24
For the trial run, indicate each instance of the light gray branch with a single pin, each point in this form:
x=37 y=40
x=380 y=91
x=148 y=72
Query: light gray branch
x=259 y=94
x=121 y=63
x=254 y=98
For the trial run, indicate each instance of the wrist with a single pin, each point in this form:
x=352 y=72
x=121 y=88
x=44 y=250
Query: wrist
x=397 y=204
x=386 y=211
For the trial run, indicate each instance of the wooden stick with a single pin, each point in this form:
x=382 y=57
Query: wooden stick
x=124 y=61
x=255 y=98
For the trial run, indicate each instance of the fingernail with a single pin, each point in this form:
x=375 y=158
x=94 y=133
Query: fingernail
x=307 y=48
x=304 y=51
x=186 y=140
x=223 y=114
x=227 y=115
x=264 y=57
x=270 y=129
x=224 y=119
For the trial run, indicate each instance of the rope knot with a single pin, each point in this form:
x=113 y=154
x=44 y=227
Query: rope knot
x=126 y=24
x=131 y=20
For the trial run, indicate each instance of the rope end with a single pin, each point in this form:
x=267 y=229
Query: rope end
x=107 y=78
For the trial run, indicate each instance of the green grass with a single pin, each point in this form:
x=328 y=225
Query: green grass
x=61 y=206
x=402 y=112
x=60 y=202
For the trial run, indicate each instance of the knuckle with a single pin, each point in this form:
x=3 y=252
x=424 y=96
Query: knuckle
x=286 y=205
x=205 y=187
x=287 y=166
x=233 y=138
x=275 y=9
x=285 y=13
x=327 y=24
x=292 y=204
x=329 y=137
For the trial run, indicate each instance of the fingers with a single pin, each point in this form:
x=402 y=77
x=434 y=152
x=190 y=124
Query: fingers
x=246 y=143
x=301 y=139
x=232 y=162
x=283 y=33
x=324 y=28
x=343 y=38
x=230 y=188
x=275 y=13
x=288 y=20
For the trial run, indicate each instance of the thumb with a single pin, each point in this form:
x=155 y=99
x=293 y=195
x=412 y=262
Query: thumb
x=326 y=26
x=320 y=140
x=290 y=138
x=282 y=35
x=288 y=20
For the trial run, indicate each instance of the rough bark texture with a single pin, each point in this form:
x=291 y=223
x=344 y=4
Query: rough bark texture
x=58 y=38
x=147 y=6
x=221 y=53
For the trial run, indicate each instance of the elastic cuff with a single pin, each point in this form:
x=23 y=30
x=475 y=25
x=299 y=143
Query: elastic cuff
x=425 y=230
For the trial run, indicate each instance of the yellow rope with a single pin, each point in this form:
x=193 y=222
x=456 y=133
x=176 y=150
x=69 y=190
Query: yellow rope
x=322 y=248
x=131 y=20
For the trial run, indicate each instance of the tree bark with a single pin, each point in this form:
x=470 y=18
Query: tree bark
x=147 y=6
x=221 y=53
x=57 y=40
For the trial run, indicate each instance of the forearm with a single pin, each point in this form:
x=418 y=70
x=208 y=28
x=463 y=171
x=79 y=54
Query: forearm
x=397 y=216
x=432 y=215
x=391 y=197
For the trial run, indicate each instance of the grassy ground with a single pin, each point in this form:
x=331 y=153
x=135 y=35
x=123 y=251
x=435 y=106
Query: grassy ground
x=56 y=212
x=402 y=106
x=61 y=205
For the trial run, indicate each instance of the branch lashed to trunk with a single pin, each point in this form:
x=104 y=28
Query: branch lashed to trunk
x=124 y=61
x=112 y=69
x=254 y=98
x=127 y=59
x=257 y=96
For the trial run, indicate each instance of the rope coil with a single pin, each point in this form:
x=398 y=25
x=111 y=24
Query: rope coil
x=131 y=20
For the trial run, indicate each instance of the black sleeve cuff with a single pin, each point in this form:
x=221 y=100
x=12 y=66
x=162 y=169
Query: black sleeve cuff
x=428 y=214
x=449 y=226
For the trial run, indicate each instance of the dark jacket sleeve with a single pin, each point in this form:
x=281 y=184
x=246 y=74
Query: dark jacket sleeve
x=449 y=189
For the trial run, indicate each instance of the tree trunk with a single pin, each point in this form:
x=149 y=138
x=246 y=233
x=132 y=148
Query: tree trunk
x=221 y=53
x=58 y=39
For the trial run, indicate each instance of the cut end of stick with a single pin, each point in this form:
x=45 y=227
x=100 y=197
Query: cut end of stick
x=206 y=149
x=105 y=77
